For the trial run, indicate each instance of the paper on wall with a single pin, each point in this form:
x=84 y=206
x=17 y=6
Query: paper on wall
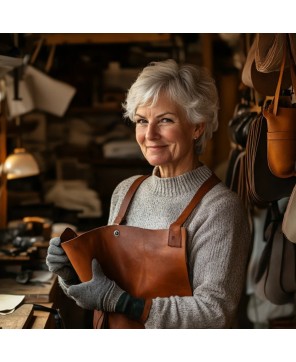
x=50 y=95
x=38 y=91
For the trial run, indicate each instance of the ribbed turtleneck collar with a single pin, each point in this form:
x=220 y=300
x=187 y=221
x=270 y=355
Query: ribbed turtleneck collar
x=179 y=185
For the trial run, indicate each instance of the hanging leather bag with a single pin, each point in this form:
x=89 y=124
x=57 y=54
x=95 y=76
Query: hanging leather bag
x=262 y=185
x=144 y=262
x=270 y=151
x=281 y=127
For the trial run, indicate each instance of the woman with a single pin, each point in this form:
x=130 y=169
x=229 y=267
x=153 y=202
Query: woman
x=174 y=109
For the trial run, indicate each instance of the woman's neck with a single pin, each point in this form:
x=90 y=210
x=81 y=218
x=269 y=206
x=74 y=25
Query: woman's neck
x=165 y=172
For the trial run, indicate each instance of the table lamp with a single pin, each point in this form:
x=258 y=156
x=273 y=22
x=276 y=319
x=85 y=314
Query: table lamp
x=19 y=164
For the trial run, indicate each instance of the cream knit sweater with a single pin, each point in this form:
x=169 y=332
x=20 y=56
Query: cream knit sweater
x=218 y=246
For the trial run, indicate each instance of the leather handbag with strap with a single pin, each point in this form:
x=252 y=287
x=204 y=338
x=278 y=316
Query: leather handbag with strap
x=270 y=149
x=281 y=126
x=144 y=262
x=262 y=185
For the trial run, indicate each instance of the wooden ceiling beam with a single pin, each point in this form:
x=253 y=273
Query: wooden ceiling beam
x=102 y=38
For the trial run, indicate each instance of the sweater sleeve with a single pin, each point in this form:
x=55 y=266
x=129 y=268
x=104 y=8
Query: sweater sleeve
x=218 y=249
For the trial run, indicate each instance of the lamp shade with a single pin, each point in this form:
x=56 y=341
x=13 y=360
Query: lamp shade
x=20 y=164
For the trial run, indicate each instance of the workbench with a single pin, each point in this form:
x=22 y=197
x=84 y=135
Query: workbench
x=24 y=315
x=49 y=295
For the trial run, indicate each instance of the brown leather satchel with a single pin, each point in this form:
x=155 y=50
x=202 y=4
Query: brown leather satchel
x=263 y=186
x=144 y=262
x=271 y=148
x=281 y=125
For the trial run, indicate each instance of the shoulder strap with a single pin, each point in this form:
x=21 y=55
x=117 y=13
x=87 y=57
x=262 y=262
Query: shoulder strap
x=175 y=239
x=127 y=199
x=205 y=187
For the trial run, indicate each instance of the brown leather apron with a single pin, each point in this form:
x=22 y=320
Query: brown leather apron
x=146 y=263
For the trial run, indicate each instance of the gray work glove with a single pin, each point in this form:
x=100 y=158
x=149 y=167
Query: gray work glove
x=99 y=293
x=59 y=263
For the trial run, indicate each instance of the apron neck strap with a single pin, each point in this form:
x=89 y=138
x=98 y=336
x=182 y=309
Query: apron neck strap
x=175 y=238
x=128 y=197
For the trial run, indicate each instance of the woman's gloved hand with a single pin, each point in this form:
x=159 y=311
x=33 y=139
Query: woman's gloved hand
x=99 y=293
x=104 y=294
x=59 y=263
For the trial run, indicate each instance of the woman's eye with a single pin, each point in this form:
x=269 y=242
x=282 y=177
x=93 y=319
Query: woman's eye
x=141 y=121
x=166 y=120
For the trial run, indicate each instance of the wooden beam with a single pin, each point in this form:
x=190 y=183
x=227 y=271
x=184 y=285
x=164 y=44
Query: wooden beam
x=3 y=154
x=207 y=51
x=102 y=38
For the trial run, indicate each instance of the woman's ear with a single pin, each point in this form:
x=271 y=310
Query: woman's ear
x=199 y=130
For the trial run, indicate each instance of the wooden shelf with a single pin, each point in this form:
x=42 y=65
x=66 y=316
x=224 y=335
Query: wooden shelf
x=98 y=108
x=23 y=256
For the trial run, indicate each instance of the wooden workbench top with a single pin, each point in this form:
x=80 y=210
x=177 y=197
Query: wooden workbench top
x=19 y=319
x=33 y=292
x=24 y=316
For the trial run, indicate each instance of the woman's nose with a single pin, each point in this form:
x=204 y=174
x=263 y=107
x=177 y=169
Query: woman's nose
x=152 y=131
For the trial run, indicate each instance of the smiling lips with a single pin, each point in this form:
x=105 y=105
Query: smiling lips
x=156 y=147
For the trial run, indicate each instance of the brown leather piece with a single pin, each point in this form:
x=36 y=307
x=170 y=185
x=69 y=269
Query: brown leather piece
x=133 y=271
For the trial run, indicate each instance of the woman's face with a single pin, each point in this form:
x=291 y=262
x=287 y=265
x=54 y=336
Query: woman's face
x=166 y=137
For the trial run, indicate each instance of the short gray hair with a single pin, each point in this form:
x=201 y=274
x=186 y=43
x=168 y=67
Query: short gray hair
x=191 y=87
